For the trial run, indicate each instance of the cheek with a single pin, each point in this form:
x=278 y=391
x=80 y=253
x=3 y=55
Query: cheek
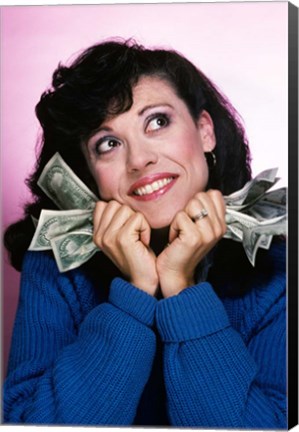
x=193 y=157
x=108 y=183
x=189 y=150
x=188 y=143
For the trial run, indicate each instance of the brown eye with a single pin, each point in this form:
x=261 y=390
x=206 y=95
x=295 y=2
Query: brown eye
x=106 y=144
x=159 y=121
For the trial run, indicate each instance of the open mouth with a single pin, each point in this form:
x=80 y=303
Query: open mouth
x=153 y=187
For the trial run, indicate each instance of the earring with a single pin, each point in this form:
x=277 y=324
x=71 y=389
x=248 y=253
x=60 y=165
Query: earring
x=211 y=159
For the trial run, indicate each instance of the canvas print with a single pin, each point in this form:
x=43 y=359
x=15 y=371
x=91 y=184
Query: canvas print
x=145 y=185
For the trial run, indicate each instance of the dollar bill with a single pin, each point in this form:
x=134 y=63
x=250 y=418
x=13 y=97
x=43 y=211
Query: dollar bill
x=253 y=215
x=272 y=205
x=63 y=187
x=247 y=221
x=253 y=190
x=255 y=235
x=53 y=223
x=73 y=249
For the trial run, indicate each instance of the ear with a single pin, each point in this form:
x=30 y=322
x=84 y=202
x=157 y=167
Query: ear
x=206 y=131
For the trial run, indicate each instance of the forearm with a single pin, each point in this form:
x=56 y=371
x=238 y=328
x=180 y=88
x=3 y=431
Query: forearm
x=95 y=378
x=211 y=378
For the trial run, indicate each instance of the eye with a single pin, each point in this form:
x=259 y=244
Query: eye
x=157 y=121
x=106 y=144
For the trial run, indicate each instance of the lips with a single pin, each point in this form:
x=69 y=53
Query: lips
x=152 y=186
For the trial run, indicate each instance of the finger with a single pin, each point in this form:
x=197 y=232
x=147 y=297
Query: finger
x=215 y=200
x=182 y=226
x=117 y=220
x=97 y=213
x=219 y=203
x=213 y=224
x=103 y=218
x=144 y=229
x=199 y=208
x=138 y=228
x=208 y=224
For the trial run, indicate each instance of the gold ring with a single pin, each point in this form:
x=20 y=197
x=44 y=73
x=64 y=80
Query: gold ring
x=200 y=215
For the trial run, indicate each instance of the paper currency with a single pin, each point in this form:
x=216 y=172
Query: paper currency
x=63 y=187
x=53 y=223
x=73 y=249
x=253 y=232
x=253 y=190
x=253 y=215
x=254 y=236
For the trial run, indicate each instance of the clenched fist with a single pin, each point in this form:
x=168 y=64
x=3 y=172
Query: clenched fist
x=124 y=236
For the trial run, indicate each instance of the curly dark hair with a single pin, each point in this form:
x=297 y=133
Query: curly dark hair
x=99 y=83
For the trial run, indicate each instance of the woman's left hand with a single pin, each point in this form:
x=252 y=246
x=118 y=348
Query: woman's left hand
x=191 y=237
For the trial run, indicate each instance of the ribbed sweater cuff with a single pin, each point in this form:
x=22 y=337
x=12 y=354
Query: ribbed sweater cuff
x=133 y=301
x=194 y=313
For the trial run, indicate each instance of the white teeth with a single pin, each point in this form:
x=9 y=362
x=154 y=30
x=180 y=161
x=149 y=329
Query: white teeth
x=150 y=188
x=155 y=186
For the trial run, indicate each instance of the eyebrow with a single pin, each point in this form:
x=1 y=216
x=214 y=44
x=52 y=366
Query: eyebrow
x=148 y=107
x=100 y=129
x=140 y=113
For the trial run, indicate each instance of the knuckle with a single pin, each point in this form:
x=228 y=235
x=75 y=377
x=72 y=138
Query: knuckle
x=126 y=209
x=199 y=195
x=138 y=215
x=209 y=237
x=181 y=215
x=193 y=205
x=122 y=240
x=207 y=240
x=215 y=194
x=218 y=231
x=194 y=202
x=100 y=204
x=97 y=240
x=106 y=241
x=136 y=218
x=104 y=244
x=114 y=205
x=194 y=241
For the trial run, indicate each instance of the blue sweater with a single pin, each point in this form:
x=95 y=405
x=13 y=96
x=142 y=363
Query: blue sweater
x=198 y=359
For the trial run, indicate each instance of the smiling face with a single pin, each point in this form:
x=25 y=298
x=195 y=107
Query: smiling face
x=151 y=157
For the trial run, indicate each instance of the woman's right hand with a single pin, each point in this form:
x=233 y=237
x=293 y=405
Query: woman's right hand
x=124 y=236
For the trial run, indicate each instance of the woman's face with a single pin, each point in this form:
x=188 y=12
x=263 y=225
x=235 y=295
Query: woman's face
x=152 y=156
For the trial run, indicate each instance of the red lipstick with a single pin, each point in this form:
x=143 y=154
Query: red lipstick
x=152 y=186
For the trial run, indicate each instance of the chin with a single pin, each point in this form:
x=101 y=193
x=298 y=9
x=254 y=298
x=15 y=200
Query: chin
x=163 y=217
x=158 y=223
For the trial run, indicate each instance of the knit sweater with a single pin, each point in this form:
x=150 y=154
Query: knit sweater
x=197 y=359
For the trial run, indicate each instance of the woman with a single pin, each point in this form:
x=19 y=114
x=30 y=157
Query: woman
x=169 y=324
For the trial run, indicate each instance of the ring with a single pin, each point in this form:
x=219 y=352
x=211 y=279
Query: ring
x=200 y=215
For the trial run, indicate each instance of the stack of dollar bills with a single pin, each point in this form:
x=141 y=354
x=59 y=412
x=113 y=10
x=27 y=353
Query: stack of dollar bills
x=253 y=215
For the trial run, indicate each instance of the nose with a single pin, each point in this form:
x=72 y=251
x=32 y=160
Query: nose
x=140 y=155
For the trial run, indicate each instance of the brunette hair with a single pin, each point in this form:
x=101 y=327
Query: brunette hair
x=99 y=83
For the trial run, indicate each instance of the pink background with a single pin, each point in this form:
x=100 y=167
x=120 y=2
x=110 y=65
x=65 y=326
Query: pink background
x=241 y=46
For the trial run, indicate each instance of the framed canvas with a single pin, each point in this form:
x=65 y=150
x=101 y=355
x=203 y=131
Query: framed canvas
x=225 y=366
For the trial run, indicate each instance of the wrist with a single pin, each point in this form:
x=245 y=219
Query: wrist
x=150 y=287
x=197 y=312
x=133 y=301
x=173 y=284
